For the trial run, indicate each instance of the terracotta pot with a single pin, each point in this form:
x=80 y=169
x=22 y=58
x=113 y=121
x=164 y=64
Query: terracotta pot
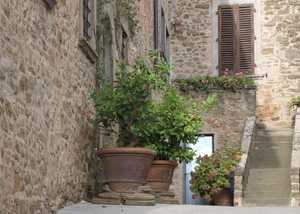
x=125 y=169
x=223 y=198
x=160 y=175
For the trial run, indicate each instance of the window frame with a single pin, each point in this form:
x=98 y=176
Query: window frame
x=161 y=30
x=88 y=45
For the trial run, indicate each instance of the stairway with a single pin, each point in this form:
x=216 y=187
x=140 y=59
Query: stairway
x=269 y=168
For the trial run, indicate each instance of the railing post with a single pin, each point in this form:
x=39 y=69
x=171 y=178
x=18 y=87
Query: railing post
x=241 y=173
x=295 y=163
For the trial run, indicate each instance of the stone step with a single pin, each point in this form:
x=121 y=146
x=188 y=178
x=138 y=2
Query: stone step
x=274 y=139
x=260 y=163
x=268 y=186
x=268 y=201
x=267 y=194
x=262 y=180
x=273 y=172
x=274 y=132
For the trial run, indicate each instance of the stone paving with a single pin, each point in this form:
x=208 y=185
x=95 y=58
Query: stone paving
x=86 y=208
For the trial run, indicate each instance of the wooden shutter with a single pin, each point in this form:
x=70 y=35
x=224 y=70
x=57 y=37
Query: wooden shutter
x=226 y=38
x=236 y=38
x=246 y=34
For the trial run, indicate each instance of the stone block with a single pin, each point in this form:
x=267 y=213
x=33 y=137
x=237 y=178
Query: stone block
x=134 y=199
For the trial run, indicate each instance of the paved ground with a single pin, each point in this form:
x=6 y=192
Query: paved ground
x=86 y=208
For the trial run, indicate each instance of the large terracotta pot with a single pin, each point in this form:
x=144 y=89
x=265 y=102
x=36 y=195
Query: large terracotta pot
x=125 y=169
x=160 y=175
x=223 y=198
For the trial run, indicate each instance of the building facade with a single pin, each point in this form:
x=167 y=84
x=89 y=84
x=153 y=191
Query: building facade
x=53 y=53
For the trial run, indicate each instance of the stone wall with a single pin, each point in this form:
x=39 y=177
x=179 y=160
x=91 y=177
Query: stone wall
x=45 y=110
x=276 y=50
x=279 y=57
x=191 y=39
x=225 y=121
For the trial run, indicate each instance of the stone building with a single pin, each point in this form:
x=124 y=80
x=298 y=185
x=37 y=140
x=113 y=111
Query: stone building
x=53 y=53
x=262 y=38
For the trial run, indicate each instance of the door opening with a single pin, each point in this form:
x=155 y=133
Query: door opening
x=204 y=146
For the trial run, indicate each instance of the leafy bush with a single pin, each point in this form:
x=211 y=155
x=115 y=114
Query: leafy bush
x=211 y=174
x=175 y=121
x=207 y=83
x=294 y=103
x=127 y=103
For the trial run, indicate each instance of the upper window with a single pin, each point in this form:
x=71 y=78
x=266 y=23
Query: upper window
x=236 y=38
x=124 y=46
x=88 y=28
x=50 y=3
x=161 y=33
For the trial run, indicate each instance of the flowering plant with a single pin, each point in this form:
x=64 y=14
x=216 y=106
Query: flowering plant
x=212 y=173
x=224 y=82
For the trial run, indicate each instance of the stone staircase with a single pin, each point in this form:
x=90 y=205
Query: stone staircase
x=269 y=168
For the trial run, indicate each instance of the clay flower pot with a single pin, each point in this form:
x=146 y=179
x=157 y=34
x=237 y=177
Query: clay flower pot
x=125 y=169
x=161 y=174
x=223 y=198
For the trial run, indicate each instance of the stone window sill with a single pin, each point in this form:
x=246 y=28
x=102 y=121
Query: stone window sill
x=87 y=48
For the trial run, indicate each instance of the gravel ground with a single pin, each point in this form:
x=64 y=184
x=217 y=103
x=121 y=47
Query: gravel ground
x=86 y=208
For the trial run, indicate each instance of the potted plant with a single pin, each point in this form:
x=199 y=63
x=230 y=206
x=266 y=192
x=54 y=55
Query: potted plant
x=294 y=103
x=122 y=108
x=211 y=177
x=175 y=122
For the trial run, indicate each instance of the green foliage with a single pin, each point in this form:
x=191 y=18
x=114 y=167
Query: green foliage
x=294 y=103
x=211 y=174
x=207 y=83
x=174 y=122
x=128 y=103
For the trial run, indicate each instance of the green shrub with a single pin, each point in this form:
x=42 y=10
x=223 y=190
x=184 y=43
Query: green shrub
x=175 y=122
x=294 y=103
x=127 y=103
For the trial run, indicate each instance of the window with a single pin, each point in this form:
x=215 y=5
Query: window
x=108 y=51
x=88 y=28
x=50 y=3
x=203 y=146
x=161 y=33
x=236 y=38
x=124 y=46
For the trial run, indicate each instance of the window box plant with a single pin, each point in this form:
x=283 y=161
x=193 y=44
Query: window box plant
x=175 y=122
x=211 y=178
x=125 y=106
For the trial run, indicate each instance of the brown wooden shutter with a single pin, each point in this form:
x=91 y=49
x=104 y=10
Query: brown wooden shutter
x=226 y=38
x=236 y=38
x=246 y=31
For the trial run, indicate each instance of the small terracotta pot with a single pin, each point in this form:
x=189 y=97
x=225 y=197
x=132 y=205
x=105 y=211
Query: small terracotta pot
x=160 y=175
x=125 y=169
x=223 y=198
